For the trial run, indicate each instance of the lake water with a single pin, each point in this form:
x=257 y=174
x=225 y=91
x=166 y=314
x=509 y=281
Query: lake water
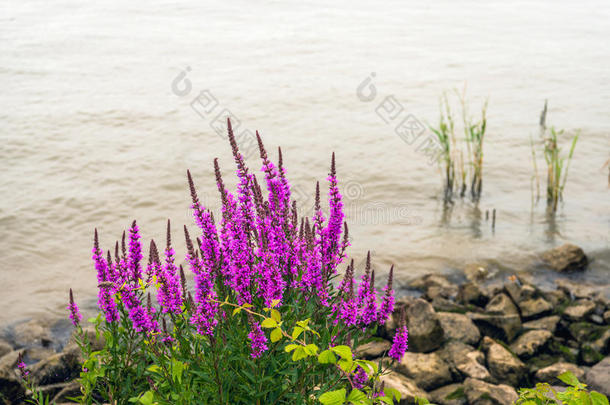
x=98 y=126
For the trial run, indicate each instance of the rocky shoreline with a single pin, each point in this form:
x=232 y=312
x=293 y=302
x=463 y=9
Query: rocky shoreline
x=471 y=342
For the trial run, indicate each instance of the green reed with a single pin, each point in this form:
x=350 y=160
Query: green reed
x=558 y=165
x=445 y=132
x=475 y=135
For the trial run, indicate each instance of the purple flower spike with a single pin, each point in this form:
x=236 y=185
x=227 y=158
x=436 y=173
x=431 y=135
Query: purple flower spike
x=135 y=253
x=387 y=305
x=75 y=315
x=22 y=367
x=400 y=343
x=258 y=340
x=360 y=378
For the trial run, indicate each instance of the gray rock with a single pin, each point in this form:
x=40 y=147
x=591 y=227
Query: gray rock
x=407 y=387
x=372 y=350
x=425 y=331
x=459 y=327
x=530 y=343
x=549 y=323
x=9 y=360
x=579 y=310
x=501 y=318
x=429 y=280
x=58 y=368
x=556 y=297
x=32 y=333
x=477 y=271
x=598 y=377
x=472 y=293
x=549 y=374
x=482 y=393
x=465 y=360
x=70 y=390
x=452 y=394
x=35 y=354
x=607 y=317
x=5 y=347
x=586 y=331
x=502 y=364
x=602 y=344
x=565 y=258
x=428 y=370
x=580 y=289
x=535 y=308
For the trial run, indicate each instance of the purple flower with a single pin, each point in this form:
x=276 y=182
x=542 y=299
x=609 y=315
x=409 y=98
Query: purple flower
x=359 y=378
x=387 y=304
x=135 y=253
x=22 y=367
x=75 y=315
x=258 y=340
x=106 y=287
x=399 y=345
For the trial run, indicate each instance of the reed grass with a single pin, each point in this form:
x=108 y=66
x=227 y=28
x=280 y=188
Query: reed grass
x=475 y=135
x=445 y=132
x=557 y=164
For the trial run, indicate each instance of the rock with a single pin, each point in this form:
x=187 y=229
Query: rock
x=471 y=293
x=549 y=323
x=586 y=332
x=441 y=304
x=530 y=342
x=520 y=292
x=535 y=308
x=425 y=331
x=502 y=364
x=607 y=317
x=501 y=318
x=407 y=387
x=565 y=258
x=598 y=377
x=549 y=374
x=429 y=371
x=596 y=319
x=580 y=289
x=5 y=347
x=588 y=355
x=71 y=390
x=579 y=310
x=482 y=393
x=35 y=354
x=452 y=394
x=434 y=285
x=459 y=327
x=476 y=271
x=10 y=387
x=9 y=360
x=372 y=350
x=465 y=360
x=52 y=390
x=58 y=368
x=602 y=344
x=555 y=297
x=32 y=333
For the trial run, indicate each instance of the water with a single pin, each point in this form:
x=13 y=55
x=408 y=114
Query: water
x=93 y=135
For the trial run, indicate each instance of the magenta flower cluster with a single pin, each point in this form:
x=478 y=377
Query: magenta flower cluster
x=256 y=252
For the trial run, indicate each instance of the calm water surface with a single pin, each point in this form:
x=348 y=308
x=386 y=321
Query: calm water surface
x=92 y=134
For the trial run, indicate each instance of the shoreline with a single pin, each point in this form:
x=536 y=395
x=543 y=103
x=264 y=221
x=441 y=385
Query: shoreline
x=472 y=335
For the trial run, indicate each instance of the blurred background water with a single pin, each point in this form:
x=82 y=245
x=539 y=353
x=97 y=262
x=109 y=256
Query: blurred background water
x=94 y=134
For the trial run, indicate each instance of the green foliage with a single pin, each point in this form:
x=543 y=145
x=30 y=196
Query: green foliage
x=557 y=163
x=301 y=366
x=574 y=394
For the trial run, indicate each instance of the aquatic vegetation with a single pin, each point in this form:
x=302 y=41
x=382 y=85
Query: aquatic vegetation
x=266 y=321
x=557 y=164
x=470 y=169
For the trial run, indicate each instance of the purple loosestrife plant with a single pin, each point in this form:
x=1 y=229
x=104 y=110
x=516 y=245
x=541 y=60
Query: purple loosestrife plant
x=266 y=319
x=75 y=315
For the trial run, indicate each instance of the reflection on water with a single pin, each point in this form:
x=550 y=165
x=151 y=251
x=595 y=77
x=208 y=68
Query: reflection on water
x=105 y=106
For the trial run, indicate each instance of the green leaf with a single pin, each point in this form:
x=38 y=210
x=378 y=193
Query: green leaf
x=303 y=324
x=598 y=399
x=333 y=397
x=153 y=368
x=299 y=353
x=276 y=334
x=269 y=323
x=275 y=314
x=236 y=311
x=275 y=303
x=290 y=348
x=311 y=349
x=392 y=393
x=343 y=351
x=147 y=398
x=568 y=378
x=327 y=357
x=346 y=365
x=356 y=395
x=296 y=332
